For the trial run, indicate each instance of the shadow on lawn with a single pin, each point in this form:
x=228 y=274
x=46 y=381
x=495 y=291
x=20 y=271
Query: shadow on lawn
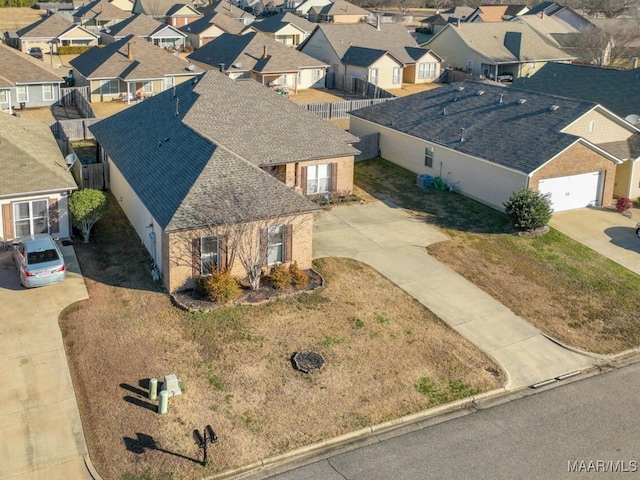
x=144 y=442
x=137 y=401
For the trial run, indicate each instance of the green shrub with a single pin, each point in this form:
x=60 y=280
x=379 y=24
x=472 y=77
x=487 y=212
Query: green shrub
x=72 y=50
x=299 y=278
x=221 y=287
x=280 y=277
x=624 y=204
x=528 y=210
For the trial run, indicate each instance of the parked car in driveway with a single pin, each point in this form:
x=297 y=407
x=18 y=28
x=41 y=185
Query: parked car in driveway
x=39 y=260
x=36 y=52
x=638 y=230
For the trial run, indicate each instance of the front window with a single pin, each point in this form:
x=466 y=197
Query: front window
x=318 y=178
x=374 y=76
x=426 y=70
x=30 y=218
x=209 y=255
x=147 y=87
x=316 y=75
x=275 y=252
x=169 y=82
x=396 y=75
x=4 y=96
x=23 y=95
x=428 y=156
x=47 y=92
x=109 y=87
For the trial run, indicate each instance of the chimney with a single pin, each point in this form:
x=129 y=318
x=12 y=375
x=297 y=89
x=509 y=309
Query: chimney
x=634 y=62
x=221 y=67
x=541 y=13
x=264 y=51
x=129 y=51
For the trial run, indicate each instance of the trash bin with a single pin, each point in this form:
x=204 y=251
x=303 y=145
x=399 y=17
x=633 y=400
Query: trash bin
x=22 y=105
x=424 y=181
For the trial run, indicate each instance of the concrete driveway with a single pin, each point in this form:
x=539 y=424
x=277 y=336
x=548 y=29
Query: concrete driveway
x=42 y=436
x=391 y=241
x=604 y=230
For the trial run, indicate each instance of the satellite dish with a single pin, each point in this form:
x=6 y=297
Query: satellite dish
x=71 y=159
x=633 y=119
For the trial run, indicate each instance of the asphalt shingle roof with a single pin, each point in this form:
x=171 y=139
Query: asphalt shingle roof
x=277 y=22
x=49 y=26
x=21 y=69
x=391 y=37
x=30 y=159
x=187 y=167
x=616 y=90
x=111 y=61
x=220 y=20
x=225 y=7
x=361 y=56
x=156 y=8
x=246 y=51
x=520 y=136
x=139 y=25
x=101 y=10
x=340 y=7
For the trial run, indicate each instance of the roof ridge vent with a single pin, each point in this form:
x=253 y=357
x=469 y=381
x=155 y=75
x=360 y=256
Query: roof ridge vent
x=520 y=101
x=480 y=92
x=553 y=108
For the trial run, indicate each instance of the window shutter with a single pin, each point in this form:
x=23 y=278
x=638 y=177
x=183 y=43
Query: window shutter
x=196 y=259
x=303 y=180
x=222 y=253
x=334 y=178
x=54 y=221
x=264 y=245
x=7 y=221
x=288 y=243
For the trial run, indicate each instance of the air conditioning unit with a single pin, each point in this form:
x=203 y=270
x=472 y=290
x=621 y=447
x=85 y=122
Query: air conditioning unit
x=424 y=181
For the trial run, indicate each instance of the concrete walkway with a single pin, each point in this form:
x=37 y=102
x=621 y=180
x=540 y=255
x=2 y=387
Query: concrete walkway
x=391 y=241
x=42 y=436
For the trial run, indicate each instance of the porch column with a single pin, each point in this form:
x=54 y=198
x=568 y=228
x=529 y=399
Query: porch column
x=495 y=78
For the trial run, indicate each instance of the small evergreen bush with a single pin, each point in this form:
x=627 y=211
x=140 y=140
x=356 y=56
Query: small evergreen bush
x=221 y=287
x=299 y=278
x=280 y=277
x=528 y=210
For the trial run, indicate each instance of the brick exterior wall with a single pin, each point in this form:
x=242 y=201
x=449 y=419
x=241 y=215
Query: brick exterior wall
x=344 y=183
x=178 y=251
x=579 y=159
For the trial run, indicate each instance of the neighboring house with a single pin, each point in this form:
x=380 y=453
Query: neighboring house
x=25 y=81
x=170 y=12
x=338 y=11
x=98 y=15
x=386 y=55
x=262 y=59
x=286 y=28
x=147 y=28
x=227 y=8
x=124 y=5
x=54 y=31
x=615 y=90
x=454 y=15
x=561 y=14
x=488 y=141
x=128 y=69
x=302 y=8
x=180 y=15
x=495 y=49
x=35 y=183
x=496 y=13
x=211 y=26
x=207 y=157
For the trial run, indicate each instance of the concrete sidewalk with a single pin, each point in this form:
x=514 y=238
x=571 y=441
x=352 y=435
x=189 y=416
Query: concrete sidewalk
x=42 y=435
x=391 y=241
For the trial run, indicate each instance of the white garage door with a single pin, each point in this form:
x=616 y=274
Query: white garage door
x=574 y=191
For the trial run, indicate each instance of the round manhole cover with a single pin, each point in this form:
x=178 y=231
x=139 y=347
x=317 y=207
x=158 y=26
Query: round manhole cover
x=307 y=362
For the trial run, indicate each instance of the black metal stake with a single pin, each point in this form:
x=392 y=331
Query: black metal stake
x=203 y=440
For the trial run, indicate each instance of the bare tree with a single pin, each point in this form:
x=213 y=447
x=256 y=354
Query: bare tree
x=592 y=47
x=608 y=8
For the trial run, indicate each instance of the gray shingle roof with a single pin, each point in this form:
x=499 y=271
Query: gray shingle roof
x=277 y=22
x=30 y=159
x=139 y=25
x=247 y=50
x=21 y=69
x=616 y=90
x=225 y=7
x=156 y=8
x=390 y=37
x=100 y=10
x=184 y=167
x=520 y=136
x=47 y=27
x=111 y=61
x=361 y=56
x=340 y=7
x=220 y=20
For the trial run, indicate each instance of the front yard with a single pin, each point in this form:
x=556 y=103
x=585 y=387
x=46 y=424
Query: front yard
x=386 y=356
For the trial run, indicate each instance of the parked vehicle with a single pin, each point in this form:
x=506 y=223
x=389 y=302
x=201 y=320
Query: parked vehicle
x=638 y=230
x=39 y=260
x=36 y=52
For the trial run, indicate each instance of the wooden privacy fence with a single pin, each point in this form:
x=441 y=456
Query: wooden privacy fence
x=331 y=110
x=77 y=97
x=77 y=129
x=359 y=87
x=368 y=146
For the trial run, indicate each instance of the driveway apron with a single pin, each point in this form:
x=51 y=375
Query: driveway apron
x=42 y=435
x=391 y=241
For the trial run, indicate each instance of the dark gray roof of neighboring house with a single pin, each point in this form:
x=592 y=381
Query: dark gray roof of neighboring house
x=47 y=27
x=277 y=22
x=185 y=167
x=226 y=8
x=450 y=15
x=29 y=146
x=220 y=20
x=616 y=90
x=111 y=61
x=361 y=56
x=416 y=53
x=390 y=37
x=549 y=8
x=246 y=51
x=101 y=10
x=138 y=24
x=519 y=136
x=20 y=69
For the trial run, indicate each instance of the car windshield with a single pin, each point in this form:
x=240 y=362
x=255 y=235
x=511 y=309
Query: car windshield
x=42 y=256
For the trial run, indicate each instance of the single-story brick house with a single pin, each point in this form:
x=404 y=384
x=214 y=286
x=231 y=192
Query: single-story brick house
x=487 y=141
x=191 y=165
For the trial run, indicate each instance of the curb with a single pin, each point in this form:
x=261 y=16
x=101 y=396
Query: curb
x=611 y=358
x=92 y=470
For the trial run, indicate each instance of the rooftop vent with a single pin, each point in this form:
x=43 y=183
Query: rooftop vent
x=444 y=111
x=520 y=101
x=454 y=99
x=553 y=108
x=500 y=99
x=480 y=92
x=460 y=88
x=461 y=135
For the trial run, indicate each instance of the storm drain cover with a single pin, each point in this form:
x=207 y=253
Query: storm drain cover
x=307 y=362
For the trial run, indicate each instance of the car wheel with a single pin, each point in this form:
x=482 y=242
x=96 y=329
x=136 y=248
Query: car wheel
x=638 y=232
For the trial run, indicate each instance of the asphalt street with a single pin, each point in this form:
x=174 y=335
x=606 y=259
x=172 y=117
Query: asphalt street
x=588 y=428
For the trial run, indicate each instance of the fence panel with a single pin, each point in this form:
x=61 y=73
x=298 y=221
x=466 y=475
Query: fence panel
x=95 y=175
x=368 y=146
x=332 y=110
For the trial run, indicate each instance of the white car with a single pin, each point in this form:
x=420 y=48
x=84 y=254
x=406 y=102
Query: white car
x=39 y=260
x=638 y=230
